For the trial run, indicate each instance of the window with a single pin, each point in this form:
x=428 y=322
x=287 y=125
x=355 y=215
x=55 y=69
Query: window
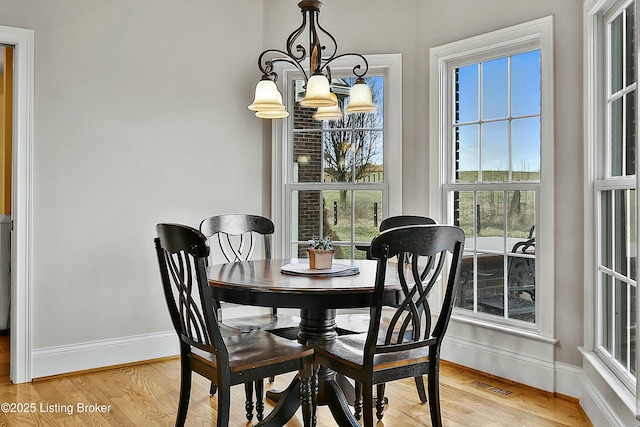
x=494 y=189
x=492 y=152
x=615 y=198
x=339 y=178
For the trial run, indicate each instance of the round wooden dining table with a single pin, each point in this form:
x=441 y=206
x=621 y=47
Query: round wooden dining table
x=262 y=283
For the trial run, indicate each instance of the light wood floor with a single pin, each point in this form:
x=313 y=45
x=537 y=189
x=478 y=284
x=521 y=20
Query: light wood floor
x=147 y=395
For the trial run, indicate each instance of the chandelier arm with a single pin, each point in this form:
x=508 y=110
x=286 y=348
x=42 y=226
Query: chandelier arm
x=333 y=40
x=266 y=65
x=355 y=69
x=291 y=40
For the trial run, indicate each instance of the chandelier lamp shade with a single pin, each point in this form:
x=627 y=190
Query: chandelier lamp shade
x=267 y=101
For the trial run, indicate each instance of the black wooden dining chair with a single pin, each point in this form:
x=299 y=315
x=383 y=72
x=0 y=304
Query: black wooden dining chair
x=410 y=345
x=208 y=348
x=236 y=236
x=360 y=322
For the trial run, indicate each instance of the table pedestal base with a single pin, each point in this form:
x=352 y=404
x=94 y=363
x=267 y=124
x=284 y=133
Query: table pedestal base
x=333 y=390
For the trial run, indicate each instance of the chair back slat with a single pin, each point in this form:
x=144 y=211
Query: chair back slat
x=182 y=252
x=236 y=235
x=423 y=252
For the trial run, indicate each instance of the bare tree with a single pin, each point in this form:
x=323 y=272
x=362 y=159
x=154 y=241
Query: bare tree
x=351 y=148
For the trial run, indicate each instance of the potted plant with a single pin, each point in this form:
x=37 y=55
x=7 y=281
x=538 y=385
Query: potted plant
x=320 y=253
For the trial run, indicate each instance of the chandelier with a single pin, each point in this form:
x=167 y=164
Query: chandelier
x=267 y=102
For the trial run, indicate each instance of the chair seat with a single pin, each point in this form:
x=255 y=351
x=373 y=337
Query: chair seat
x=256 y=349
x=349 y=350
x=265 y=322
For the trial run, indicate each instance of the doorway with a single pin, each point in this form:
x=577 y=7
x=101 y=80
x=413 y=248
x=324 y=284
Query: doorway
x=6 y=110
x=22 y=41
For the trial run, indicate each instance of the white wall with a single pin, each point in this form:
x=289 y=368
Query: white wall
x=140 y=117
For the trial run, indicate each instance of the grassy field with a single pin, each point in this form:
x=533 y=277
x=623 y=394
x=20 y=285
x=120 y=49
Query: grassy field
x=492 y=206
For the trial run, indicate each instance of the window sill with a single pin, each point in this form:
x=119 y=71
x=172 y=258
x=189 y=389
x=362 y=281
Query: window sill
x=505 y=328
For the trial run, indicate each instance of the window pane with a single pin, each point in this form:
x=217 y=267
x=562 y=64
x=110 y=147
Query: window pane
x=615 y=54
x=465 y=297
x=467 y=94
x=605 y=307
x=307 y=156
x=337 y=218
x=616 y=137
x=525 y=149
x=620 y=252
x=495 y=151
x=490 y=220
x=632 y=331
x=630 y=134
x=630 y=44
x=464 y=215
x=491 y=284
x=605 y=229
x=338 y=156
x=620 y=323
x=306 y=217
x=368 y=214
x=468 y=156
x=521 y=211
x=525 y=83
x=367 y=155
x=632 y=235
x=495 y=89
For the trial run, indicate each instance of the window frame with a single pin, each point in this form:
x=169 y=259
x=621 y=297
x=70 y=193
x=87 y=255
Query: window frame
x=388 y=65
x=537 y=34
x=598 y=178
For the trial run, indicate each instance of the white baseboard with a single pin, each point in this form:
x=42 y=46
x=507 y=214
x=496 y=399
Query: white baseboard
x=511 y=365
x=568 y=380
x=99 y=354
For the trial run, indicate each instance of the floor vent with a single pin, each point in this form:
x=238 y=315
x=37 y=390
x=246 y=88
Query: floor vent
x=500 y=391
x=486 y=386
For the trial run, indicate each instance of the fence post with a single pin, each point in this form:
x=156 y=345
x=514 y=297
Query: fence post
x=375 y=214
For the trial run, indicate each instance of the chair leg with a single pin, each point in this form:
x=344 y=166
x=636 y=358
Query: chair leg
x=357 y=404
x=306 y=400
x=185 y=391
x=380 y=401
x=433 y=384
x=259 y=385
x=213 y=389
x=224 y=405
x=367 y=415
x=420 y=387
x=248 y=403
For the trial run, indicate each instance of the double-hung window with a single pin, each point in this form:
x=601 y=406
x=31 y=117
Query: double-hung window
x=338 y=178
x=492 y=162
x=611 y=204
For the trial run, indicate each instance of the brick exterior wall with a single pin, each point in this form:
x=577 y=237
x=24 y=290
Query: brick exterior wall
x=307 y=146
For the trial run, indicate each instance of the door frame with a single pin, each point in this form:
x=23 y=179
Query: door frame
x=22 y=148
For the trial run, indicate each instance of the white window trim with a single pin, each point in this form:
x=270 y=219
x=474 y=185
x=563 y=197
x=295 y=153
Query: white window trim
x=534 y=34
x=484 y=343
x=607 y=398
x=389 y=65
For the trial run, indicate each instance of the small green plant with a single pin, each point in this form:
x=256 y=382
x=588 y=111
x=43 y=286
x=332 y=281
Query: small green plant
x=321 y=243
